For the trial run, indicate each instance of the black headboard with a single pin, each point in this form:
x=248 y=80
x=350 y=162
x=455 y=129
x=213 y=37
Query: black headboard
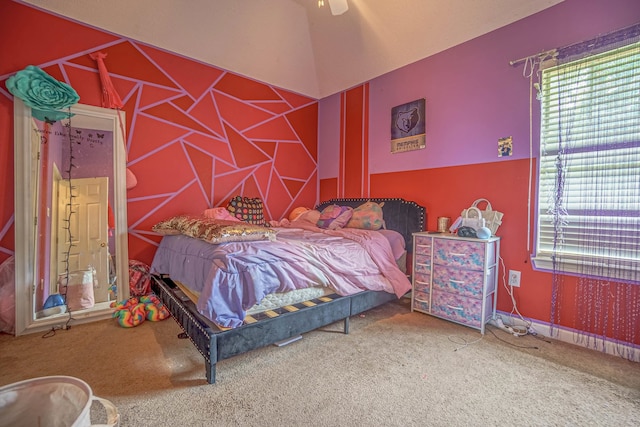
x=403 y=216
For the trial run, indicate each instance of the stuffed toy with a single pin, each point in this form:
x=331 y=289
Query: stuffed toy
x=156 y=311
x=125 y=305
x=134 y=311
x=129 y=313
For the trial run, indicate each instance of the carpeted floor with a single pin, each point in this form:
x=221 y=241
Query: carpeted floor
x=395 y=368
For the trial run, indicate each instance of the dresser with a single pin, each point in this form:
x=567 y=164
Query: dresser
x=455 y=278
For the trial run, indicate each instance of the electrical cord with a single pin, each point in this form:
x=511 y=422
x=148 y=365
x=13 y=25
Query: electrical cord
x=70 y=213
x=464 y=342
x=510 y=343
x=541 y=338
x=52 y=332
x=514 y=310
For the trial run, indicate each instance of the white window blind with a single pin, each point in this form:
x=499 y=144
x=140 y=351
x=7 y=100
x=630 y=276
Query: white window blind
x=588 y=219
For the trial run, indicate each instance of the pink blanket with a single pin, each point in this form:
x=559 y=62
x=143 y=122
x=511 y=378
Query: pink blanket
x=232 y=277
x=378 y=248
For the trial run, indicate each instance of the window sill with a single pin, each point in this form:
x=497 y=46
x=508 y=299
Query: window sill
x=582 y=268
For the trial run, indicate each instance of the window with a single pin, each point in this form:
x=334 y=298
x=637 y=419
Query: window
x=588 y=219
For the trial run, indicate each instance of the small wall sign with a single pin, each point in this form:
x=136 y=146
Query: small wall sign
x=505 y=146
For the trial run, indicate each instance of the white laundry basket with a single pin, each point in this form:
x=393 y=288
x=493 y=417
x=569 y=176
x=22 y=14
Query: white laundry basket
x=51 y=401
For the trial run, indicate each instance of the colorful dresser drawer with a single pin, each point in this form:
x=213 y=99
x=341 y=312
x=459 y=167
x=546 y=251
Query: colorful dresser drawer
x=457 y=308
x=459 y=281
x=424 y=260
x=422 y=268
x=422 y=282
x=422 y=246
x=459 y=253
x=421 y=300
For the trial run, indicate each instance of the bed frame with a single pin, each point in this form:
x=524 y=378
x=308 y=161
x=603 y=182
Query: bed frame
x=214 y=344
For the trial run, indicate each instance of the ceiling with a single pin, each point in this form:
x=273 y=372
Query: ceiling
x=294 y=44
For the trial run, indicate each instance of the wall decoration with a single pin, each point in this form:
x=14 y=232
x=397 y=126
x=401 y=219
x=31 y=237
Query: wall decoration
x=45 y=95
x=408 y=126
x=111 y=99
x=505 y=146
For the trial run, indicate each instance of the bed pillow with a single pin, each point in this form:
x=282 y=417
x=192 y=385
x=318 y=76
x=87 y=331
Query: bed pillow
x=396 y=240
x=247 y=209
x=219 y=213
x=311 y=216
x=295 y=213
x=334 y=216
x=213 y=230
x=367 y=216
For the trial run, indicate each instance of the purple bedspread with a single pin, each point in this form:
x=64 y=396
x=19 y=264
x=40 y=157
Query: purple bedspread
x=232 y=277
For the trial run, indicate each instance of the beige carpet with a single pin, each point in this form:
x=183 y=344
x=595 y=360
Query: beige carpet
x=395 y=368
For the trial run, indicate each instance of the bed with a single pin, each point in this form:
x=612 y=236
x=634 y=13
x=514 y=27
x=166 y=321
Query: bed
x=280 y=324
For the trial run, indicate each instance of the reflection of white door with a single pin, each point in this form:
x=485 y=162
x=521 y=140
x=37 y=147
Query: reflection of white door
x=88 y=228
x=55 y=228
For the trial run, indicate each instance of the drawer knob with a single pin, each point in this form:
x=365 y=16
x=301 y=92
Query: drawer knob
x=455 y=308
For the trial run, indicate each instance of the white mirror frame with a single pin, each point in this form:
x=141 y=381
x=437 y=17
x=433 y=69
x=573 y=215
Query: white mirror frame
x=25 y=164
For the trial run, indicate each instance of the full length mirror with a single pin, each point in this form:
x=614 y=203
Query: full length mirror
x=70 y=224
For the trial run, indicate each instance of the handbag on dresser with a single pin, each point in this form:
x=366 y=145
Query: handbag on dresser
x=475 y=218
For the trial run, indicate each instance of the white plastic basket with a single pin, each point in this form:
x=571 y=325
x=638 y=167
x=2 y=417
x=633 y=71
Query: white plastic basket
x=51 y=402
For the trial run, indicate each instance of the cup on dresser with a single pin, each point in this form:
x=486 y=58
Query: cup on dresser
x=443 y=224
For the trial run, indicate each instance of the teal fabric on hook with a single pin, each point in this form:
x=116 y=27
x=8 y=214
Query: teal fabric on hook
x=45 y=95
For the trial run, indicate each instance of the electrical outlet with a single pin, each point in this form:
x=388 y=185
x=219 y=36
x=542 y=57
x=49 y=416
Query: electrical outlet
x=514 y=278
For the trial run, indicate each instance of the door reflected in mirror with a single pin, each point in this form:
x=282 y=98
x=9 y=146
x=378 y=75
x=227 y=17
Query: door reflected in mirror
x=76 y=245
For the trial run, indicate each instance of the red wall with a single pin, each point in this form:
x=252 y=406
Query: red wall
x=196 y=135
x=441 y=190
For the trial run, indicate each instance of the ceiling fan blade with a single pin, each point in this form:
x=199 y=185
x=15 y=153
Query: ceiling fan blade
x=338 y=7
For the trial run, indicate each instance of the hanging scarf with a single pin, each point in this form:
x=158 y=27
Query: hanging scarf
x=111 y=99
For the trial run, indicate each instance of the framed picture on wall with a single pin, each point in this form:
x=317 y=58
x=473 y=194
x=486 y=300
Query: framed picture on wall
x=505 y=146
x=408 y=126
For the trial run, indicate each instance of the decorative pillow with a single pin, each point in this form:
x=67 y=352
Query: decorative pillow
x=219 y=213
x=367 y=216
x=295 y=213
x=213 y=230
x=311 y=216
x=247 y=209
x=334 y=216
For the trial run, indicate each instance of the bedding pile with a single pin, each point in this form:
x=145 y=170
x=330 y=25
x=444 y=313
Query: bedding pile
x=232 y=277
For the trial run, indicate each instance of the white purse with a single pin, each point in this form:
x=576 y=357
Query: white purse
x=475 y=218
x=472 y=217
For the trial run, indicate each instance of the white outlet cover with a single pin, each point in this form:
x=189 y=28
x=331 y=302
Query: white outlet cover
x=514 y=278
